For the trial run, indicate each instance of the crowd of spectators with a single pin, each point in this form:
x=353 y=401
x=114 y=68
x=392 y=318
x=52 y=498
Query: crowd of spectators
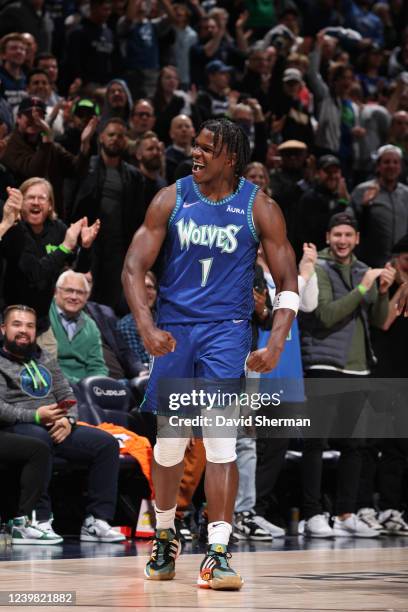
x=99 y=105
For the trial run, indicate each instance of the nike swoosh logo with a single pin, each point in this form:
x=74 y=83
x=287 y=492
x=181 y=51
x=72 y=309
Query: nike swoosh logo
x=186 y=205
x=237 y=320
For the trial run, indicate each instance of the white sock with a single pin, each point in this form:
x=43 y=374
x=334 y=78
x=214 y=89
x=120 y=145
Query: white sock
x=219 y=532
x=165 y=518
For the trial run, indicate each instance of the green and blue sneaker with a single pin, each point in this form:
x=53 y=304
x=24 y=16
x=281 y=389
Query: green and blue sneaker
x=24 y=532
x=215 y=572
x=166 y=548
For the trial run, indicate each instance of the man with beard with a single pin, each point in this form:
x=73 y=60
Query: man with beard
x=149 y=154
x=34 y=402
x=112 y=192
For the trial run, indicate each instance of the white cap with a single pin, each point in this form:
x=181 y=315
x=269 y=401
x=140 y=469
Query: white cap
x=292 y=74
x=388 y=149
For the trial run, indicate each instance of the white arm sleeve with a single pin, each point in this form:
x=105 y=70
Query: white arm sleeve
x=309 y=293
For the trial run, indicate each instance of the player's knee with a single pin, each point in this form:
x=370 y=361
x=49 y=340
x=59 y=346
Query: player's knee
x=169 y=451
x=220 y=450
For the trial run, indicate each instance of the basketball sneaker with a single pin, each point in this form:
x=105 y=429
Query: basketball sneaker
x=97 y=530
x=353 y=527
x=318 y=526
x=45 y=526
x=369 y=517
x=165 y=550
x=245 y=527
x=23 y=532
x=393 y=523
x=215 y=572
x=274 y=530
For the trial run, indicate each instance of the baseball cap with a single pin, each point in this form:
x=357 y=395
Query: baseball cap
x=31 y=102
x=389 y=148
x=292 y=74
x=217 y=66
x=85 y=106
x=292 y=144
x=342 y=218
x=327 y=160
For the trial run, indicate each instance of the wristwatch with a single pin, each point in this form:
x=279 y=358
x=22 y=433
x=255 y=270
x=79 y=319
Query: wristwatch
x=71 y=420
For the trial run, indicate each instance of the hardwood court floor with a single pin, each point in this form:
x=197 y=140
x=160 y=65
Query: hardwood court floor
x=370 y=579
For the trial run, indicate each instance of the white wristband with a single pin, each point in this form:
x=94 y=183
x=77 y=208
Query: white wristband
x=286 y=299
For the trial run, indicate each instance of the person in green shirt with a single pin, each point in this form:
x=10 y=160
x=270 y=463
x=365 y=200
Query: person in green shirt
x=336 y=345
x=78 y=337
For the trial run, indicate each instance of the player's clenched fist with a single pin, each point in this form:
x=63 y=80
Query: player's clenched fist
x=158 y=342
x=263 y=360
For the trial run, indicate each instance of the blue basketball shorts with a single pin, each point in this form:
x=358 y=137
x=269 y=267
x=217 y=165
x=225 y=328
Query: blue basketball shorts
x=212 y=351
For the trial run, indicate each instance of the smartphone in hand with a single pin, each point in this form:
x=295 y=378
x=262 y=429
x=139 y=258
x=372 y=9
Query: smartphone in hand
x=66 y=404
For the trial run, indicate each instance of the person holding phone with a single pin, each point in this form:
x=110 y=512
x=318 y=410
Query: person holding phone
x=37 y=401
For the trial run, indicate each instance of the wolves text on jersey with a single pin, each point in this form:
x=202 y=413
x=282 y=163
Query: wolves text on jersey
x=223 y=238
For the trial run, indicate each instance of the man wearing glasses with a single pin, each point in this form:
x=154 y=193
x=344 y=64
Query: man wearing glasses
x=142 y=119
x=78 y=338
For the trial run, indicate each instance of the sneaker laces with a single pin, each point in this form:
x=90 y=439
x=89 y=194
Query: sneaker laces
x=164 y=548
x=221 y=558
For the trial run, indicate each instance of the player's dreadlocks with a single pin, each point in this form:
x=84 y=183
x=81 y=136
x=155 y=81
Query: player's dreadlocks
x=228 y=133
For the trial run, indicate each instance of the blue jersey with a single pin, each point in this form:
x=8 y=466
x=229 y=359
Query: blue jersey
x=209 y=257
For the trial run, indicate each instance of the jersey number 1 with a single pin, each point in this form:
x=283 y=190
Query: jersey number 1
x=205 y=269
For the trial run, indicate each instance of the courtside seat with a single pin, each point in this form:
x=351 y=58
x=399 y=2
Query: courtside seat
x=100 y=399
x=105 y=393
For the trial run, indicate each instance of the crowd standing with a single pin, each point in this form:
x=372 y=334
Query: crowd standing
x=99 y=106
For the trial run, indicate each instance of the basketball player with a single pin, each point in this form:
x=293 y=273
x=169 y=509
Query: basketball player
x=210 y=224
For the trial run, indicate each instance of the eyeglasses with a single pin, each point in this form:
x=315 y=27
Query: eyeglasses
x=72 y=291
x=142 y=114
x=40 y=198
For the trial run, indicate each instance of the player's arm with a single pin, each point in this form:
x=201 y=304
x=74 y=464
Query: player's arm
x=140 y=257
x=279 y=255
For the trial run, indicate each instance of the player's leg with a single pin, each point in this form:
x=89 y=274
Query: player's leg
x=167 y=471
x=223 y=357
x=168 y=454
x=221 y=485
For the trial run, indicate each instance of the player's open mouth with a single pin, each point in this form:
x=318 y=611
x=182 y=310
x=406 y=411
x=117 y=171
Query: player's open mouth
x=197 y=166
